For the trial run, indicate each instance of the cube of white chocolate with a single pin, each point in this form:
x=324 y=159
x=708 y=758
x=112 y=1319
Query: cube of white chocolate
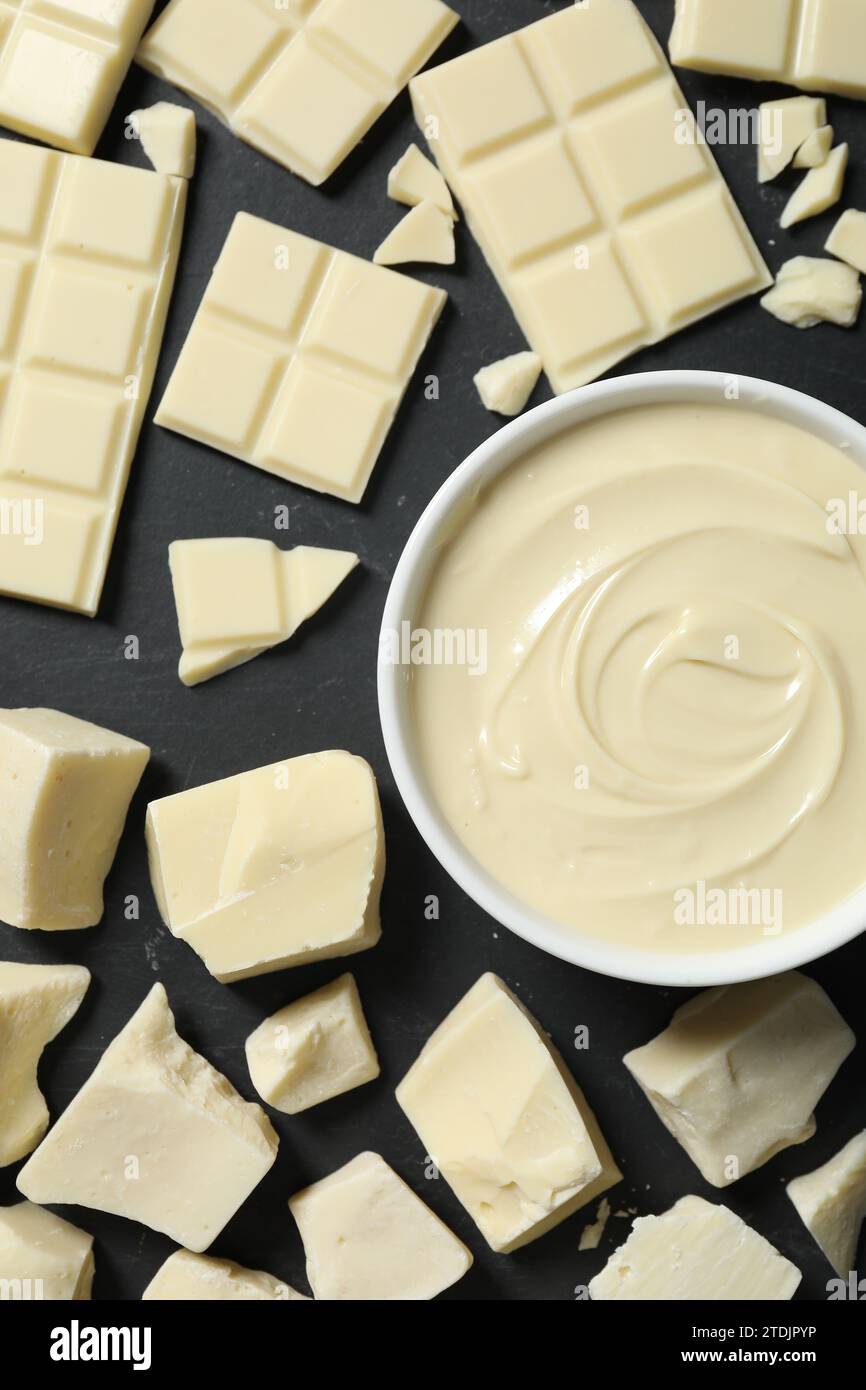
x=312 y=1050
x=274 y=867
x=66 y=789
x=367 y=1237
x=157 y=1135
x=810 y=290
x=504 y=1120
x=832 y=1203
x=694 y=1252
x=36 y=1002
x=43 y=1257
x=186 y=1278
x=737 y=1074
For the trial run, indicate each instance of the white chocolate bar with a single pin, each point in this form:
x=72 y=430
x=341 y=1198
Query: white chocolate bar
x=88 y=253
x=604 y=218
x=36 y=1003
x=504 y=1120
x=368 y=1238
x=818 y=45
x=299 y=357
x=61 y=66
x=301 y=80
x=43 y=1257
x=312 y=1050
x=156 y=1134
x=271 y=868
x=696 y=1251
x=236 y=597
x=187 y=1278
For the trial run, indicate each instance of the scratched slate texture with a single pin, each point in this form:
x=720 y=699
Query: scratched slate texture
x=319 y=692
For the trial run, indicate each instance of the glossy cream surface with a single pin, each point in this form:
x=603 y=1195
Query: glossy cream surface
x=666 y=744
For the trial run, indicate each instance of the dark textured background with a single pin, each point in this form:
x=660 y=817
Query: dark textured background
x=319 y=692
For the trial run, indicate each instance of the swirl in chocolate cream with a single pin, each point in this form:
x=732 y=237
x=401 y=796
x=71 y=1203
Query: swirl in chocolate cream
x=674 y=697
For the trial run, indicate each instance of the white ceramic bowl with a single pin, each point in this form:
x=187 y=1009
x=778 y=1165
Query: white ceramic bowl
x=404 y=599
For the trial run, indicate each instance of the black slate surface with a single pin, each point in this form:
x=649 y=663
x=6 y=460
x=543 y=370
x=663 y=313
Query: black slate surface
x=319 y=692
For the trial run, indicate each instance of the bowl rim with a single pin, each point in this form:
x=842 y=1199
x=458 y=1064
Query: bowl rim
x=768 y=957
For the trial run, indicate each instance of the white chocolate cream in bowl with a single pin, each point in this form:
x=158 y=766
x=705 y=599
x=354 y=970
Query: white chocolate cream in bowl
x=663 y=748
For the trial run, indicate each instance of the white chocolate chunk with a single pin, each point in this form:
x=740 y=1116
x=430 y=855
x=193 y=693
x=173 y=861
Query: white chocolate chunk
x=186 y=1278
x=506 y=386
x=67 y=786
x=814 y=151
x=43 y=1257
x=301 y=81
x=415 y=180
x=809 y=291
x=88 y=253
x=736 y=1075
x=591 y=1235
x=832 y=1203
x=312 y=1050
x=817 y=45
x=848 y=239
x=696 y=1251
x=157 y=1135
x=272 y=868
x=367 y=1237
x=238 y=597
x=36 y=1003
x=820 y=189
x=504 y=1120
x=62 y=64
x=424 y=234
x=606 y=231
x=168 y=137
x=784 y=127
x=299 y=357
